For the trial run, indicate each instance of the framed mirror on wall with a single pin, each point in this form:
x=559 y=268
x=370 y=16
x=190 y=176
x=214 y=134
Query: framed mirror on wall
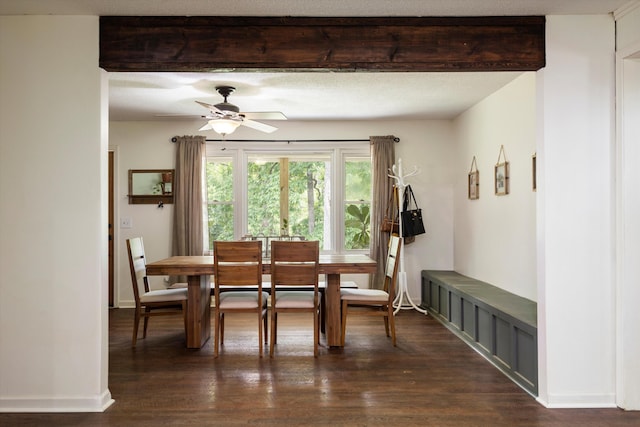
x=151 y=186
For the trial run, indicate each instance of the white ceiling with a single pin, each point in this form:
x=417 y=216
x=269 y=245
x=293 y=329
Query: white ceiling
x=303 y=96
x=306 y=95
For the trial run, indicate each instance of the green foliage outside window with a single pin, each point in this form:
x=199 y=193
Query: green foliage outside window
x=306 y=198
x=357 y=227
x=263 y=191
x=220 y=200
x=357 y=230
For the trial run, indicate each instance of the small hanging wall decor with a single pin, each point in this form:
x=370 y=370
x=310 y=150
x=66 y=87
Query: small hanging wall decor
x=502 y=174
x=473 y=181
x=534 y=168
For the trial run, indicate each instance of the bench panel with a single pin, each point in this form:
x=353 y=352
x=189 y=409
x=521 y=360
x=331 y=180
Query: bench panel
x=443 y=303
x=456 y=310
x=468 y=318
x=525 y=349
x=485 y=330
x=435 y=298
x=503 y=342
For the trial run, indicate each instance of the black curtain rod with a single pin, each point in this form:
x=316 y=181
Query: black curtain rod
x=396 y=139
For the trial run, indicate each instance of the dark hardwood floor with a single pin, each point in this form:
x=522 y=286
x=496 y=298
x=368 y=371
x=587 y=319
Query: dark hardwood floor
x=430 y=379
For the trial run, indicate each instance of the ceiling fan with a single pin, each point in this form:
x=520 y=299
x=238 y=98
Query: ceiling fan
x=225 y=117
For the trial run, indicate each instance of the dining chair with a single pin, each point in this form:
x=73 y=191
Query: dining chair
x=375 y=302
x=294 y=264
x=238 y=264
x=150 y=303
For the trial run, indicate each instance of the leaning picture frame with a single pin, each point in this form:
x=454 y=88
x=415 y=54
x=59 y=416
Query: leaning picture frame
x=502 y=179
x=474 y=185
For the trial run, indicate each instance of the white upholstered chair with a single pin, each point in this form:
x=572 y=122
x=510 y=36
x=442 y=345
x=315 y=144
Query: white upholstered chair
x=150 y=303
x=375 y=302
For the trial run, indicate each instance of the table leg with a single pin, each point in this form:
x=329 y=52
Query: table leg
x=198 y=311
x=332 y=305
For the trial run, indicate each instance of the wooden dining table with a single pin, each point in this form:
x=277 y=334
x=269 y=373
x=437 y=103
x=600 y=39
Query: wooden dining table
x=199 y=270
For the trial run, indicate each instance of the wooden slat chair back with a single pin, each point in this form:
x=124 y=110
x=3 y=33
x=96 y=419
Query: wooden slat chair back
x=295 y=264
x=237 y=264
x=375 y=302
x=151 y=303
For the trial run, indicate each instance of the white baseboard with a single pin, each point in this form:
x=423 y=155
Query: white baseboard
x=127 y=304
x=586 y=401
x=57 y=404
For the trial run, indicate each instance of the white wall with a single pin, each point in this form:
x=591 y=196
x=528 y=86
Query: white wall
x=428 y=145
x=628 y=208
x=140 y=145
x=53 y=299
x=576 y=312
x=495 y=235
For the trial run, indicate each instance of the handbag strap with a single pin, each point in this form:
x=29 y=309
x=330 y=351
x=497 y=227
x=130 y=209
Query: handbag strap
x=392 y=206
x=394 y=214
x=408 y=195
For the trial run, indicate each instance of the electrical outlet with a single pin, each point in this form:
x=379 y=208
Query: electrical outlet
x=126 y=222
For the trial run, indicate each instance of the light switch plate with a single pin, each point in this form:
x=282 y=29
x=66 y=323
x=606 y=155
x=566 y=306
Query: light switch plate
x=126 y=222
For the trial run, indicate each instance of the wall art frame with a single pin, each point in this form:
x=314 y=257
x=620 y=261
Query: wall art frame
x=501 y=174
x=473 y=181
x=534 y=172
x=151 y=186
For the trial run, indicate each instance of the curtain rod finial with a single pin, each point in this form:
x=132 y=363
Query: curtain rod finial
x=174 y=139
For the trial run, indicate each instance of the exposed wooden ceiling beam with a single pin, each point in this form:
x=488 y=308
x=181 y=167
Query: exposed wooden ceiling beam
x=207 y=43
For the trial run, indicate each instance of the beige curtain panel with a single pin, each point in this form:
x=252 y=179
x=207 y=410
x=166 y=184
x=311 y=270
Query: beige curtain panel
x=382 y=159
x=188 y=221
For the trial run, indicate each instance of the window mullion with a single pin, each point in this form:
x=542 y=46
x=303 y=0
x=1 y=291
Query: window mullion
x=337 y=201
x=284 y=196
x=240 y=193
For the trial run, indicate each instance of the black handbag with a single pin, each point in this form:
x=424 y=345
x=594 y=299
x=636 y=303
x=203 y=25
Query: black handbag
x=411 y=215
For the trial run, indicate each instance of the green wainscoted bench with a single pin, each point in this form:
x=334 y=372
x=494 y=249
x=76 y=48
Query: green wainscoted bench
x=500 y=325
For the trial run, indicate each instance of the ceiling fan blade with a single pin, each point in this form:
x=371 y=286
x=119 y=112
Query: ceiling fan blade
x=265 y=115
x=180 y=116
x=210 y=107
x=263 y=127
x=206 y=127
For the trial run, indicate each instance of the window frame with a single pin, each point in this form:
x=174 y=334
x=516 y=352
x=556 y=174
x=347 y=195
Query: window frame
x=345 y=155
x=338 y=153
x=207 y=202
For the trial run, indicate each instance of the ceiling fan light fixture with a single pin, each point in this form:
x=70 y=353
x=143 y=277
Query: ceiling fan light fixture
x=226 y=117
x=224 y=126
